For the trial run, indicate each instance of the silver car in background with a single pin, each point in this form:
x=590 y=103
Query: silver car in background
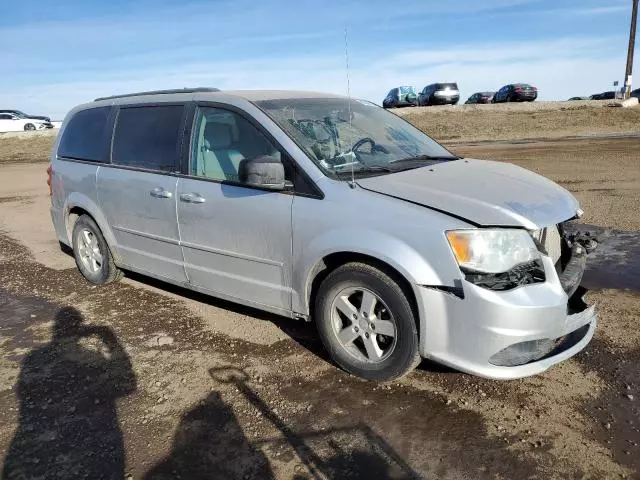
x=318 y=207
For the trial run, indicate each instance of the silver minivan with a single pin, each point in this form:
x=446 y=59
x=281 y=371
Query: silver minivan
x=319 y=207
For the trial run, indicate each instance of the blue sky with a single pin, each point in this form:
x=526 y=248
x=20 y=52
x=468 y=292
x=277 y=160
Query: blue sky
x=58 y=53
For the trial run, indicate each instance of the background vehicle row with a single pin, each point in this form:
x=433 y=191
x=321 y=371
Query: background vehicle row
x=449 y=94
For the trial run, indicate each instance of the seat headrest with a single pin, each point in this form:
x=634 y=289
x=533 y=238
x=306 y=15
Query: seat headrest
x=217 y=135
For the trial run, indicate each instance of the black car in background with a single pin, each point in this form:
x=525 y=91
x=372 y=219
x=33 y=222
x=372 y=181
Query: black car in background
x=610 y=95
x=480 y=97
x=516 y=92
x=400 y=97
x=577 y=98
x=636 y=93
x=439 y=94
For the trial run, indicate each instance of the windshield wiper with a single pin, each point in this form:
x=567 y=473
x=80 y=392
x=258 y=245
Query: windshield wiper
x=423 y=158
x=366 y=168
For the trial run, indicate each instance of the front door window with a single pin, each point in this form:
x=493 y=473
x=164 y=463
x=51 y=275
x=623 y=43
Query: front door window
x=223 y=139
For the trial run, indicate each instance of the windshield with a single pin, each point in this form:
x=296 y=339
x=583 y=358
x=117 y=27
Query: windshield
x=407 y=90
x=360 y=136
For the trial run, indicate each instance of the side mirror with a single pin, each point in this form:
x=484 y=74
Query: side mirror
x=264 y=172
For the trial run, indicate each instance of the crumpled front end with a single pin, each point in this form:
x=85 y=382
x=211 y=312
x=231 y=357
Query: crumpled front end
x=507 y=332
x=568 y=249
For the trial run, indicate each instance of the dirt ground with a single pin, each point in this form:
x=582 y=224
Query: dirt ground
x=143 y=380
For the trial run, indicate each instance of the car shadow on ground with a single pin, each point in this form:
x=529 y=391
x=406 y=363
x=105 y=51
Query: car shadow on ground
x=67 y=390
x=303 y=333
x=209 y=443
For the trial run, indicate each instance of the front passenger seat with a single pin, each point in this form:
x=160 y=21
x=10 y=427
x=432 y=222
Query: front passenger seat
x=219 y=160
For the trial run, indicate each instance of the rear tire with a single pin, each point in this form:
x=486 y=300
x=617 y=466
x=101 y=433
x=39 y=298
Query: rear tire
x=92 y=254
x=353 y=336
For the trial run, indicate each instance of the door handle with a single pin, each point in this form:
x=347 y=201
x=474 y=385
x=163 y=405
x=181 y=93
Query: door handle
x=192 y=198
x=161 y=193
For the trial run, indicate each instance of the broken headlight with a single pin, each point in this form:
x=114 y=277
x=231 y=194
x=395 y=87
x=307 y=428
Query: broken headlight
x=497 y=259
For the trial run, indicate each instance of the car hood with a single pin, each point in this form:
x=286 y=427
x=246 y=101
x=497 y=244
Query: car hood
x=481 y=192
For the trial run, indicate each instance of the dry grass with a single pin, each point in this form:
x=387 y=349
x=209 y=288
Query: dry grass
x=505 y=122
x=457 y=124
x=26 y=149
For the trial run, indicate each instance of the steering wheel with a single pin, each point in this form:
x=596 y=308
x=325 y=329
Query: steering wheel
x=361 y=142
x=374 y=147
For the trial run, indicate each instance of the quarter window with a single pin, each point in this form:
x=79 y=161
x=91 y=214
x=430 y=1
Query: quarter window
x=222 y=139
x=148 y=137
x=85 y=137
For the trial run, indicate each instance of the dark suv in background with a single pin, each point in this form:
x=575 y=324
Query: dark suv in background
x=439 y=94
x=400 y=97
x=480 y=97
x=610 y=95
x=516 y=92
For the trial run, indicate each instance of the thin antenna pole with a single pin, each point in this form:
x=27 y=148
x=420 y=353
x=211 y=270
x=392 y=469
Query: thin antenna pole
x=632 y=41
x=346 y=58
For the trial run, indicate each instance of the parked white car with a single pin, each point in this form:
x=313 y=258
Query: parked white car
x=13 y=123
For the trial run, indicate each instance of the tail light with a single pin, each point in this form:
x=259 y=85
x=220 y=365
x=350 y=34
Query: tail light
x=49 y=173
x=518 y=90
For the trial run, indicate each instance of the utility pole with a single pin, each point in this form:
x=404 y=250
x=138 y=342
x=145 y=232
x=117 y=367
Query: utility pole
x=632 y=42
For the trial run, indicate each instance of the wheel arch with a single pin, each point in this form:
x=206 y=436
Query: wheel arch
x=77 y=205
x=332 y=261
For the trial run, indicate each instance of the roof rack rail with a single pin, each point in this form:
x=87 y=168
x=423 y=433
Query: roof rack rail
x=160 y=92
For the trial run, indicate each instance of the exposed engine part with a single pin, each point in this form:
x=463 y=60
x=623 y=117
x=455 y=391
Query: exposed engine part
x=588 y=241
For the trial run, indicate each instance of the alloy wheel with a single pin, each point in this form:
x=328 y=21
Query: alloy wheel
x=89 y=251
x=363 y=325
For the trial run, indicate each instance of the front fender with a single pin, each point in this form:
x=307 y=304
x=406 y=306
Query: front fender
x=404 y=258
x=80 y=200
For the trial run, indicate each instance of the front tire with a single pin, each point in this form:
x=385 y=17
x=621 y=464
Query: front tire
x=366 y=323
x=92 y=254
x=29 y=127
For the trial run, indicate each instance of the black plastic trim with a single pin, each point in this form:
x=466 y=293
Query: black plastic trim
x=456 y=291
x=523 y=274
x=571 y=276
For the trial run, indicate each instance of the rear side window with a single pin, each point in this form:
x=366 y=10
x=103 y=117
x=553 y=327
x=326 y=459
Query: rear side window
x=85 y=137
x=148 y=137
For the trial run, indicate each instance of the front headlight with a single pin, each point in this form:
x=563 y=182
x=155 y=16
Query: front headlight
x=492 y=250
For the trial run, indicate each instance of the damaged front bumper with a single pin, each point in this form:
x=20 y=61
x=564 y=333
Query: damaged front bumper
x=514 y=333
